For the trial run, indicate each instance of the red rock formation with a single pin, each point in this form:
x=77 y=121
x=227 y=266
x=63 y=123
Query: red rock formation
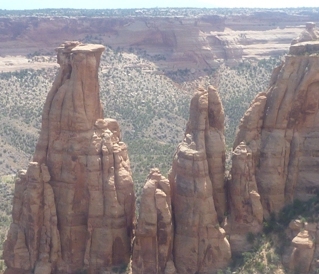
x=74 y=207
x=290 y=133
x=244 y=198
x=276 y=150
x=197 y=180
x=153 y=243
x=33 y=234
x=279 y=152
x=302 y=256
x=281 y=129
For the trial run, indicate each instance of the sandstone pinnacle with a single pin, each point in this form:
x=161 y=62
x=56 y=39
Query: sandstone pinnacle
x=153 y=243
x=74 y=207
x=198 y=193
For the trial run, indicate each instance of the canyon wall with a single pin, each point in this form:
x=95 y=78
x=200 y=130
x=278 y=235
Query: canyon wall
x=183 y=40
x=281 y=128
x=276 y=150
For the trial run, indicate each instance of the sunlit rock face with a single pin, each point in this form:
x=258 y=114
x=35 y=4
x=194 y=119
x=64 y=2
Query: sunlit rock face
x=153 y=242
x=74 y=207
x=198 y=192
x=276 y=150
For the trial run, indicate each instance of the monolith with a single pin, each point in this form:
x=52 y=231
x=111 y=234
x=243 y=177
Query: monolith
x=73 y=208
x=198 y=192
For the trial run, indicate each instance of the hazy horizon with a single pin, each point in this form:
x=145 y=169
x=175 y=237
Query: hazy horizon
x=137 y=4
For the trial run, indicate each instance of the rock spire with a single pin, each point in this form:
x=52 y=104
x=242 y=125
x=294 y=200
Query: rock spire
x=198 y=192
x=73 y=208
x=153 y=243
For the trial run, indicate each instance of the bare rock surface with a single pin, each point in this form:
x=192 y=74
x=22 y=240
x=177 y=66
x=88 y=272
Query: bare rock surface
x=244 y=199
x=197 y=180
x=309 y=34
x=276 y=149
x=246 y=211
x=302 y=255
x=73 y=209
x=153 y=243
x=281 y=128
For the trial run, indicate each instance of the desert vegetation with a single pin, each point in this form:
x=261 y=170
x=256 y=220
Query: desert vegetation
x=269 y=247
x=6 y=196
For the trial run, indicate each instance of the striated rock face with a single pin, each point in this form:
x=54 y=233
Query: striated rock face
x=153 y=243
x=244 y=199
x=276 y=150
x=197 y=180
x=290 y=134
x=281 y=129
x=74 y=207
x=33 y=233
x=187 y=38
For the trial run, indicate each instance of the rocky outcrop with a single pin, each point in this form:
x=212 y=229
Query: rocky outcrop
x=197 y=181
x=276 y=149
x=309 y=34
x=182 y=234
x=290 y=134
x=153 y=242
x=33 y=234
x=302 y=255
x=281 y=129
x=244 y=200
x=74 y=207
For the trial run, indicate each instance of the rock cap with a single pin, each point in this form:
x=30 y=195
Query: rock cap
x=76 y=46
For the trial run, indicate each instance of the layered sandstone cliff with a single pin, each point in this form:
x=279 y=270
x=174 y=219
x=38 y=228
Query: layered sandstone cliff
x=285 y=134
x=187 y=38
x=276 y=151
x=74 y=207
